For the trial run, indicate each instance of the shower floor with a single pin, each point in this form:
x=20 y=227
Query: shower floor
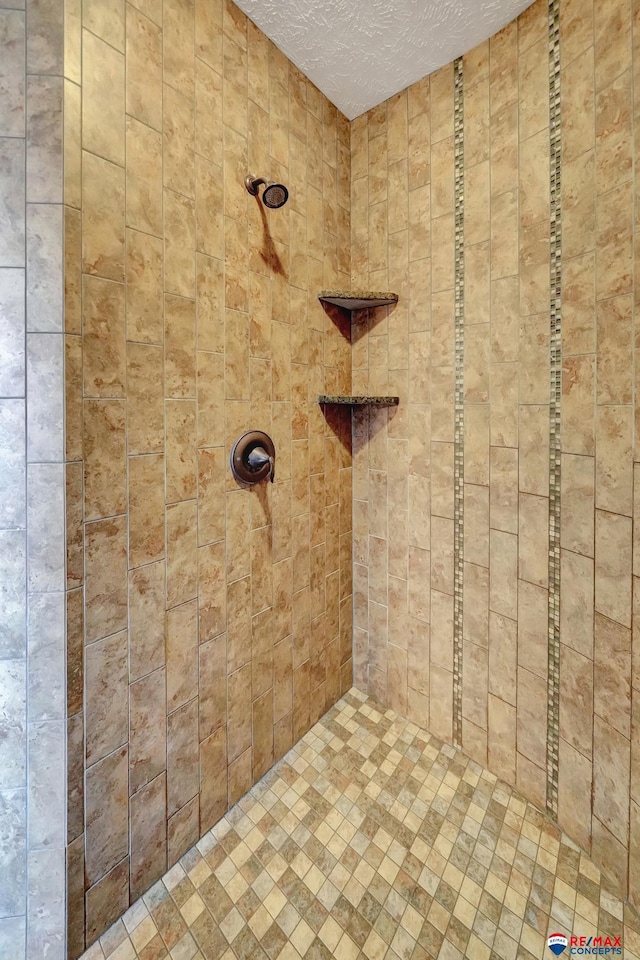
x=373 y=839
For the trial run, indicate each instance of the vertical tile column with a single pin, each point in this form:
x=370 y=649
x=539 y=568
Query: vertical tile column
x=614 y=436
x=578 y=425
x=436 y=359
x=412 y=528
x=634 y=811
x=45 y=483
x=533 y=408
x=13 y=501
x=503 y=418
x=474 y=361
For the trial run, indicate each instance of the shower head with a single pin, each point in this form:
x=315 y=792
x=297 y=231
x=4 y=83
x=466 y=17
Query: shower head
x=274 y=194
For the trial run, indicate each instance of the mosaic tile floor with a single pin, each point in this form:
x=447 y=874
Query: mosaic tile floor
x=373 y=839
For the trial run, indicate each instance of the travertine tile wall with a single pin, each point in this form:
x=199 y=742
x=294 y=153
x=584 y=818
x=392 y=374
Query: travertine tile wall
x=32 y=790
x=209 y=626
x=402 y=215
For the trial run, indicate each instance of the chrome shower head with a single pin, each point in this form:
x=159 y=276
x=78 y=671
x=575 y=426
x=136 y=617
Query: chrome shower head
x=274 y=194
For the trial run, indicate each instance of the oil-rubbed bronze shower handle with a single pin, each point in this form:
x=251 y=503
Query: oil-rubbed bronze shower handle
x=253 y=457
x=257 y=459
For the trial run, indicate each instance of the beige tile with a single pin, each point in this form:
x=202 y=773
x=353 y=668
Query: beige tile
x=504 y=404
x=475 y=626
x=102 y=97
x=180 y=244
x=144 y=178
x=614 y=243
x=143 y=89
x=614 y=455
x=610 y=777
x=103 y=217
x=532 y=716
x=612 y=673
x=532 y=539
x=212 y=702
x=503 y=489
x=533 y=79
x=476 y=363
x=144 y=288
x=106 y=578
x=577 y=498
x=148 y=815
x=182 y=654
x=211 y=513
x=210 y=304
x=534 y=179
x=178 y=142
x=612 y=46
x=146 y=509
x=578 y=296
x=145 y=392
x=576 y=607
x=579 y=204
x=614 y=331
x=503 y=646
x=576 y=700
x=146 y=619
x=103 y=322
x=534 y=267
x=502 y=738
x=474 y=686
x=180 y=347
x=106 y=696
x=503 y=598
x=613 y=133
x=578 y=387
x=212 y=609
x=213 y=786
x=182 y=756
x=533 y=458
x=476 y=444
x=180 y=419
x=574 y=788
x=613 y=566
x=147 y=731
x=105 y=466
x=208 y=115
x=476 y=531
x=477 y=204
x=106 y=814
x=182 y=575
x=182 y=830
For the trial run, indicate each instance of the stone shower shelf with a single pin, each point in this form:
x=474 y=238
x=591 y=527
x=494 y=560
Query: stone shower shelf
x=358 y=299
x=343 y=401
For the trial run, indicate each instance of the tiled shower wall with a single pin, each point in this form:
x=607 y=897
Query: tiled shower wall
x=32 y=794
x=208 y=625
x=407 y=519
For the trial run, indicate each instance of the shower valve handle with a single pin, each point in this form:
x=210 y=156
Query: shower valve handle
x=258 y=458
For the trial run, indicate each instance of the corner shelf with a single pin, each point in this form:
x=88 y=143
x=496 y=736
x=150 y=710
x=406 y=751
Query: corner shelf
x=345 y=401
x=358 y=299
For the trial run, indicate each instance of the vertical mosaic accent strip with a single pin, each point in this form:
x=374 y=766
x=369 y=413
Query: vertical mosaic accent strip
x=555 y=344
x=458 y=463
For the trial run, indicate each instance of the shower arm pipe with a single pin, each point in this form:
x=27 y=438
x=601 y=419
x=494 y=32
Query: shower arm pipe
x=252 y=184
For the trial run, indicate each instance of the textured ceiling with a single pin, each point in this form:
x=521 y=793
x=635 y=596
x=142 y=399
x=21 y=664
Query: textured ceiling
x=359 y=52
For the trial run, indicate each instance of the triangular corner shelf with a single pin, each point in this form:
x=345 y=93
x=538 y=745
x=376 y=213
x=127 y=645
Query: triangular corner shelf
x=357 y=299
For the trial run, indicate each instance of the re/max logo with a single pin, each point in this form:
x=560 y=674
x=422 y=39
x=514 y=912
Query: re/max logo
x=595 y=946
x=595 y=942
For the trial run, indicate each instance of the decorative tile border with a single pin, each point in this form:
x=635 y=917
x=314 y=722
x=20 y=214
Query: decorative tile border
x=555 y=347
x=458 y=462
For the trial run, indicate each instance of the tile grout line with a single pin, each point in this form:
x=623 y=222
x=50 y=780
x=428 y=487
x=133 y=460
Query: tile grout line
x=458 y=460
x=555 y=394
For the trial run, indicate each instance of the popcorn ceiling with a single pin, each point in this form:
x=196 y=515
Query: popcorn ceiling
x=360 y=52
